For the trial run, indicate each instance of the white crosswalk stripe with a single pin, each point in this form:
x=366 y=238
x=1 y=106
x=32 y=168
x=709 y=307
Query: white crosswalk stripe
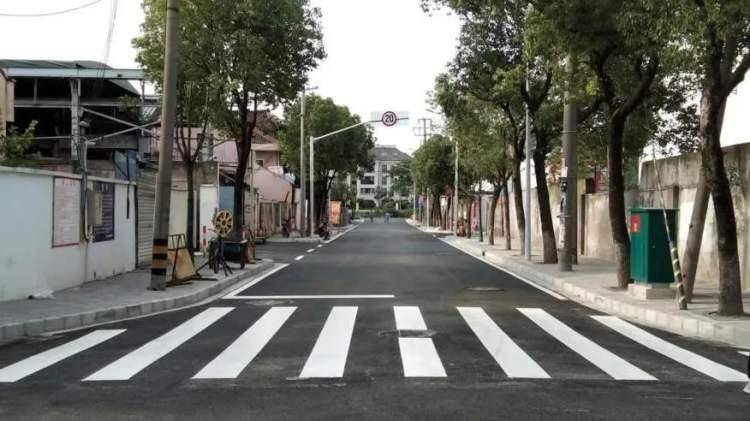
x=608 y=362
x=132 y=363
x=418 y=355
x=420 y=358
x=682 y=356
x=511 y=358
x=31 y=365
x=230 y=363
x=328 y=357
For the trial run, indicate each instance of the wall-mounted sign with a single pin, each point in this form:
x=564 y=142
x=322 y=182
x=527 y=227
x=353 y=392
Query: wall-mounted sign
x=104 y=212
x=66 y=212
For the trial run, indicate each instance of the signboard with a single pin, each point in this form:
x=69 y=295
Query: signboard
x=104 y=212
x=635 y=224
x=390 y=118
x=66 y=212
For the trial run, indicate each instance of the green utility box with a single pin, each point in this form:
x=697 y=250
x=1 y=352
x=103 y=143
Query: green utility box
x=650 y=260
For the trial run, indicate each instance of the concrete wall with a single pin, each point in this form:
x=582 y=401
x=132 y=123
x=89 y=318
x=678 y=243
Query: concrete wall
x=28 y=262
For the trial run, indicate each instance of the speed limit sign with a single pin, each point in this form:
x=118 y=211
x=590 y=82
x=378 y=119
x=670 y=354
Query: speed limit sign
x=389 y=118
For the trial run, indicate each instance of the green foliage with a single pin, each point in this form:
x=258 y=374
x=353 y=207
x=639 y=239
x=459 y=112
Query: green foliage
x=432 y=165
x=14 y=147
x=402 y=179
x=345 y=153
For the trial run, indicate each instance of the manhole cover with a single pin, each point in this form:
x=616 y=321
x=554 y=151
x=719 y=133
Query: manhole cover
x=265 y=303
x=492 y=289
x=408 y=333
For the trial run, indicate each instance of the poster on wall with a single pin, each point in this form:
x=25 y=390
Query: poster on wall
x=104 y=226
x=66 y=212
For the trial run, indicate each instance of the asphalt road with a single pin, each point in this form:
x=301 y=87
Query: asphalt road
x=384 y=323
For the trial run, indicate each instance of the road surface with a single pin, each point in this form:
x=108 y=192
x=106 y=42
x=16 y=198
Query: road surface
x=386 y=322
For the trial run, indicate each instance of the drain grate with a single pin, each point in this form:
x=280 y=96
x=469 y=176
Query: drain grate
x=486 y=289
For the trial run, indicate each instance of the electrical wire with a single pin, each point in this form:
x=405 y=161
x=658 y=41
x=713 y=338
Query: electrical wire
x=45 y=14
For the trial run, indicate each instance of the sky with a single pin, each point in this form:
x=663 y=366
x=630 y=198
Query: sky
x=382 y=54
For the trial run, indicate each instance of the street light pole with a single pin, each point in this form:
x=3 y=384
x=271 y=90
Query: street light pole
x=527 y=199
x=302 y=186
x=455 y=190
x=313 y=224
x=159 y=263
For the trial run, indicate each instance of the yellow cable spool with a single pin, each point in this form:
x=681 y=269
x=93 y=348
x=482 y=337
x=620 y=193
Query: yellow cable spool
x=223 y=223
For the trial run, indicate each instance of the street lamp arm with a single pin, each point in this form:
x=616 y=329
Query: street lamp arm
x=353 y=126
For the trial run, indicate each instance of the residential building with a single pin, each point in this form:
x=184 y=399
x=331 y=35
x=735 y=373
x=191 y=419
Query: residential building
x=377 y=184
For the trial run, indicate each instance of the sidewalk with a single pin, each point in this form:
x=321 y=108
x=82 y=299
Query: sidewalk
x=591 y=284
x=120 y=297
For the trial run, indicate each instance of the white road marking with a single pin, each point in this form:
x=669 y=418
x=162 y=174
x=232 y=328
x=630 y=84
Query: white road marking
x=745 y=353
x=243 y=287
x=682 y=356
x=310 y=297
x=511 y=358
x=132 y=363
x=230 y=363
x=31 y=365
x=320 y=246
x=311 y=250
x=500 y=268
x=608 y=362
x=328 y=357
x=299 y=257
x=408 y=318
x=420 y=358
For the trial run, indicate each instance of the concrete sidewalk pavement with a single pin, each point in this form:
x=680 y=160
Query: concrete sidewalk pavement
x=120 y=297
x=592 y=284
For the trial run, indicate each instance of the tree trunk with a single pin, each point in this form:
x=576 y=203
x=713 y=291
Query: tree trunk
x=697 y=223
x=190 y=230
x=620 y=236
x=518 y=199
x=730 y=289
x=470 y=208
x=506 y=215
x=545 y=213
x=695 y=236
x=491 y=217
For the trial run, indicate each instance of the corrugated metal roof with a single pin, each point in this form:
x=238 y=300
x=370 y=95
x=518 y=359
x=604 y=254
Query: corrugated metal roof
x=57 y=65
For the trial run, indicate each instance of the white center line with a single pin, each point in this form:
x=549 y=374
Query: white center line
x=328 y=357
x=230 y=363
x=608 y=362
x=408 y=318
x=311 y=250
x=420 y=358
x=511 y=358
x=132 y=363
x=299 y=257
x=682 y=356
x=31 y=365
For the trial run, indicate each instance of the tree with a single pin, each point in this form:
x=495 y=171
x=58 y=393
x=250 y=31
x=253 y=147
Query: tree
x=14 y=146
x=719 y=32
x=402 y=179
x=432 y=169
x=345 y=153
x=198 y=89
x=255 y=53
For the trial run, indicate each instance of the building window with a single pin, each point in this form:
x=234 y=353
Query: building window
x=259 y=162
x=368 y=179
x=365 y=190
x=384 y=168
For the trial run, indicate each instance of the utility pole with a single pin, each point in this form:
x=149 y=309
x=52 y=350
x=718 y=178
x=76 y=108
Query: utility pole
x=569 y=174
x=164 y=178
x=425 y=132
x=313 y=223
x=527 y=198
x=455 y=190
x=303 y=195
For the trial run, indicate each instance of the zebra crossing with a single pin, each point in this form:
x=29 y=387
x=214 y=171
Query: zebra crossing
x=419 y=355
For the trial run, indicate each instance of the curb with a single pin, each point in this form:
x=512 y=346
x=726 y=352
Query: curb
x=13 y=331
x=685 y=326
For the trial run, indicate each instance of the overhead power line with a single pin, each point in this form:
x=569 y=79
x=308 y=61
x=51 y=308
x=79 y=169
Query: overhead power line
x=54 y=13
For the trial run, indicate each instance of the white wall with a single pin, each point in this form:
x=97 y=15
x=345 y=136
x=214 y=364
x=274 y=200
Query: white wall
x=28 y=262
